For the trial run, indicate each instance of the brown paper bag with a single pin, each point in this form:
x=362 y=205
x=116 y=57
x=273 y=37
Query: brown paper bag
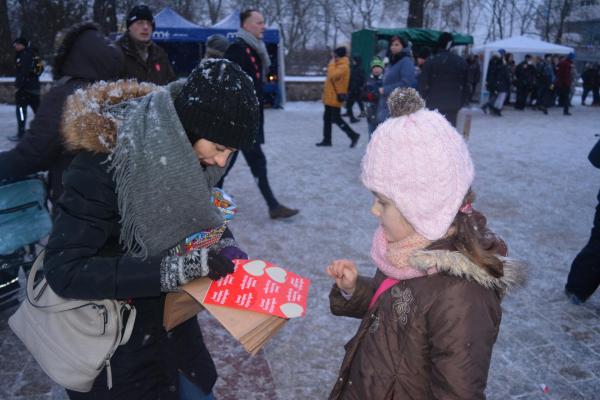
x=251 y=329
x=179 y=307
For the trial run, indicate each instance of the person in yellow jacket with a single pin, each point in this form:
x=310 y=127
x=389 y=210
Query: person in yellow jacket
x=334 y=94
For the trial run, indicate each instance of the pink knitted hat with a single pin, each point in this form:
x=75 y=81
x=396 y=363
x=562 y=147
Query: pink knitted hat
x=418 y=160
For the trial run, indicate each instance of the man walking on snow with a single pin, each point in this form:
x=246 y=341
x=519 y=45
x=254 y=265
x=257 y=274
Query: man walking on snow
x=250 y=53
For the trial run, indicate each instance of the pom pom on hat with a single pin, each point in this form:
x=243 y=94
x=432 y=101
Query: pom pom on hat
x=420 y=162
x=404 y=101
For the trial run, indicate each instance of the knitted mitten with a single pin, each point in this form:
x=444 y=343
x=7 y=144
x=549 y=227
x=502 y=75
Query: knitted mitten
x=176 y=271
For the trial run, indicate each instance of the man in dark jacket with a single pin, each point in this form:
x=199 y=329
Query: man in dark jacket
x=443 y=81
x=584 y=276
x=27 y=83
x=144 y=59
x=544 y=83
x=498 y=83
x=250 y=53
x=525 y=80
x=355 y=88
x=588 y=77
x=473 y=74
x=84 y=56
x=563 y=81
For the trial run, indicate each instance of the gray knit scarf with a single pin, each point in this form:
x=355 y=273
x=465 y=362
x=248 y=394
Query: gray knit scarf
x=163 y=192
x=258 y=46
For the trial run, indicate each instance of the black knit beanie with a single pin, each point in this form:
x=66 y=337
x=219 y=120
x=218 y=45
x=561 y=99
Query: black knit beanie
x=138 y=13
x=340 y=51
x=218 y=103
x=21 y=40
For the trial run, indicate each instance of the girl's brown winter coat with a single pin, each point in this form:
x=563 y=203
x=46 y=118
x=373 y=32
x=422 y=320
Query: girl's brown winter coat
x=425 y=338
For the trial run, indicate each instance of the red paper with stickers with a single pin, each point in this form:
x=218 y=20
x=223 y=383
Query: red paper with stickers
x=260 y=286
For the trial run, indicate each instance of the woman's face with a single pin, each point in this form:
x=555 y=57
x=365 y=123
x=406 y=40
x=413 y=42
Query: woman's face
x=211 y=153
x=396 y=47
x=395 y=226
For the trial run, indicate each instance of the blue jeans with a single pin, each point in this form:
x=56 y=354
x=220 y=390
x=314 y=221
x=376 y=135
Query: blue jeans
x=189 y=391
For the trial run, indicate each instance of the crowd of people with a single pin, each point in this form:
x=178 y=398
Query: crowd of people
x=539 y=82
x=117 y=125
x=448 y=82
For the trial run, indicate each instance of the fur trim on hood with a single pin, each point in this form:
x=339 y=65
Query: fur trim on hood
x=457 y=264
x=90 y=120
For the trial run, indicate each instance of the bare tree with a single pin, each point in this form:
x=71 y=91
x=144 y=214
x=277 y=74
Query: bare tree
x=551 y=17
x=527 y=13
x=214 y=10
x=105 y=14
x=565 y=8
x=41 y=20
x=416 y=12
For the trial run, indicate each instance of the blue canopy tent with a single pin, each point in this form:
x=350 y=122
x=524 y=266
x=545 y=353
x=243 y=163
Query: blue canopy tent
x=180 y=38
x=184 y=43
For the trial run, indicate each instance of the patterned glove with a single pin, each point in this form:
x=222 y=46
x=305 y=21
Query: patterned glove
x=176 y=271
x=229 y=248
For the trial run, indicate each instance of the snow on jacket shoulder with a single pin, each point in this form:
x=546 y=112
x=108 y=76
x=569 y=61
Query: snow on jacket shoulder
x=425 y=338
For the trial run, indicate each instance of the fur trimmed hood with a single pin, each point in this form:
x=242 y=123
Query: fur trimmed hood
x=457 y=264
x=85 y=53
x=92 y=115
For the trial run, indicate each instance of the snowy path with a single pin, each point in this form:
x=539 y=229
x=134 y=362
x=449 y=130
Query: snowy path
x=533 y=182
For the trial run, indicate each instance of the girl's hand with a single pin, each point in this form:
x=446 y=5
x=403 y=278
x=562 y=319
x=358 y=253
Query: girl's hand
x=345 y=274
x=381 y=91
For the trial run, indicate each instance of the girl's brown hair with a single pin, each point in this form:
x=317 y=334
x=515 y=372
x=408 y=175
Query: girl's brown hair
x=470 y=236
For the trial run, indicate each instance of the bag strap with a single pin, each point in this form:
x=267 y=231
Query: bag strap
x=129 y=325
x=32 y=299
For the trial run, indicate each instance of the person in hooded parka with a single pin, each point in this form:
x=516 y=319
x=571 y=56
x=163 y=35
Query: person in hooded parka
x=147 y=158
x=84 y=56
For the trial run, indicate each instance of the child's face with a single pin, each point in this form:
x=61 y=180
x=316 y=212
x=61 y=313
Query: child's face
x=376 y=71
x=395 y=226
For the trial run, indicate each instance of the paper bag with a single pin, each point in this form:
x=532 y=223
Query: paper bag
x=179 y=307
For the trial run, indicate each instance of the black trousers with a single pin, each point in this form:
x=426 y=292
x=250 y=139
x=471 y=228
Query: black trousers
x=563 y=98
x=584 y=277
x=256 y=160
x=354 y=98
x=24 y=100
x=332 y=116
x=522 y=94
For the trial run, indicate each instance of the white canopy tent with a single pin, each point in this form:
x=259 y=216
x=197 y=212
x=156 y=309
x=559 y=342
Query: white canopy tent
x=518 y=45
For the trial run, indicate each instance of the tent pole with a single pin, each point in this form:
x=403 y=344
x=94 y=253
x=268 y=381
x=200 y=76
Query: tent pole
x=281 y=72
x=486 y=62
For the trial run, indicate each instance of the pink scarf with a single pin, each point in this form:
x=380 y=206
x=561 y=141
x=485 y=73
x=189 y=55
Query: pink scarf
x=392 y=258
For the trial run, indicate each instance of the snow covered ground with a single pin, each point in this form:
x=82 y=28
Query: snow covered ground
x=533 y=182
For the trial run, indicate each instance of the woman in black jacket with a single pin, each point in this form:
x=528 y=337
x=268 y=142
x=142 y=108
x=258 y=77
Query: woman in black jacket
x=131 y=195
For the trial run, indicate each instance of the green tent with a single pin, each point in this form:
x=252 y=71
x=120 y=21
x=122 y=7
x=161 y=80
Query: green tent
x=364 y=41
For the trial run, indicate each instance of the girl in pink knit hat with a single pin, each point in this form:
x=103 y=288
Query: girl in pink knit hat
x=431 y=314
